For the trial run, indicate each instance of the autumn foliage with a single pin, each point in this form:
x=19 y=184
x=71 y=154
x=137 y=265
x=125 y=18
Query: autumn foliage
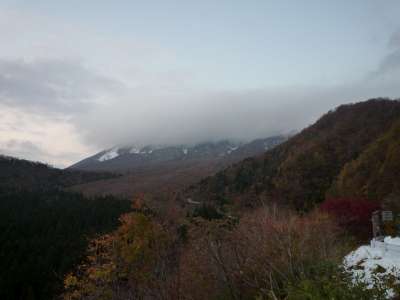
x=131 y=263
x=350 y=151
x=256 y=256
x=352 y=214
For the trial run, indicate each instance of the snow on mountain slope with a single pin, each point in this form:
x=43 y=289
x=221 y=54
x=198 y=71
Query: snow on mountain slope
x=134 y=150
x=126 y=158
x=111 y=154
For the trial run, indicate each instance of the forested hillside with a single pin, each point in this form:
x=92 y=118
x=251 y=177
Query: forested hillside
x=44 y=230
x=24 y=174
x=300 y=171
x=375 y=174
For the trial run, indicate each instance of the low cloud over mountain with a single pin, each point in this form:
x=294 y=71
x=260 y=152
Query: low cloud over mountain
x=100 y=89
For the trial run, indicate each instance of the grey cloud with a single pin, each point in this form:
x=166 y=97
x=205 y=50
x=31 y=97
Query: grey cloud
x=389 y=67
x=28 y=150
x=156 y=115
x=23 y=148
x=51 y=85
x=151 y=116
x=106 y=113
x=395 y=39
x=200 y=117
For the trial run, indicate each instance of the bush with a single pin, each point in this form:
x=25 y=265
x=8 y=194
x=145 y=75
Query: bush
x=207 y=211
x=330 y=281
x=269 y=254
x=352 y=214
x=137 y=261
x=259 y=257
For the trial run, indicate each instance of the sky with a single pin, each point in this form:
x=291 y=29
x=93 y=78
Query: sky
x=77 y=77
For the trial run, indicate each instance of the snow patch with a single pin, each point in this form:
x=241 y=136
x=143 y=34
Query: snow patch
x=111 y=154
x=134 y=151
x=231 y=149
x=392 y=241
x=145 y=150
x=268 y=146
x=370 y=264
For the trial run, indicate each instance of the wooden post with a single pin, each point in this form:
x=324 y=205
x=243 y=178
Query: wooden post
x=376 y=224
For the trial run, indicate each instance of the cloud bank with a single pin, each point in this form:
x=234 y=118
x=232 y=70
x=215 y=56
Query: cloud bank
x=103 y=111
x=51 y=86
x=59 y=105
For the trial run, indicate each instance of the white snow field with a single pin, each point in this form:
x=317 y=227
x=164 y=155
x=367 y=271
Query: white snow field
x=370 y=264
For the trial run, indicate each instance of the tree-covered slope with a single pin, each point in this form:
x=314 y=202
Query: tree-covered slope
x=301 y=170
x=45 y=230
x=43 y=235
x=375 y=174
x=27 y=175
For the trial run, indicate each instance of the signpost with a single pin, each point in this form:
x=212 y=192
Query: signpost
x=387 y=215
x=384 y=223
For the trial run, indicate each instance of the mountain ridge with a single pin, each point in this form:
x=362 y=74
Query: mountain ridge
x=29 y=175
x=167 y=169
x=128 y=158
x=300 y=171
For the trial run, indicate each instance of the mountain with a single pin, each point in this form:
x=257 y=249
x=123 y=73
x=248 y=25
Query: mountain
x=23 y=174
x=351 y=151
x=134 y=158
x=344 y=152
x=159 y=169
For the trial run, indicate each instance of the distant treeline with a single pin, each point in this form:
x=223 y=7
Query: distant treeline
x=27 y=175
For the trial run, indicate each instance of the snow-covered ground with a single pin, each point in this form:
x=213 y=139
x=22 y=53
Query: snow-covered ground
x=392 y=241
x=370 y=264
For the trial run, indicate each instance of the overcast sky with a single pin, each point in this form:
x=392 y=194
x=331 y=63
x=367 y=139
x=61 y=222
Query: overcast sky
x=80 y=76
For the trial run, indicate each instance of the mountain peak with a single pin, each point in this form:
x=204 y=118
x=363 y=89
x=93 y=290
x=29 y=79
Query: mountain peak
x=131 y=157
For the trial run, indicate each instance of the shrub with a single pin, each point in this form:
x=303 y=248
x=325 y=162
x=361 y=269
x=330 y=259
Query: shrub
x=134 y=262
x=353 y=214
x=207 y=211
x=330 y=281
x=269 y=253
x=268 y=250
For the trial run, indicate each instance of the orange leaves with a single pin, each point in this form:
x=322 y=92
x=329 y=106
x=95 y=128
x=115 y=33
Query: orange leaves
x=220 y=259
x=127 y=261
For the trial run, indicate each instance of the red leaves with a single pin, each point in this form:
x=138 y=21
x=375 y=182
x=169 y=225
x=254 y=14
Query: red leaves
x=353 y=214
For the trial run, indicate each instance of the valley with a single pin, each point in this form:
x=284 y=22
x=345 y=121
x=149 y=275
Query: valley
x=160 y=170
x=200 y=150
x=180 y=204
